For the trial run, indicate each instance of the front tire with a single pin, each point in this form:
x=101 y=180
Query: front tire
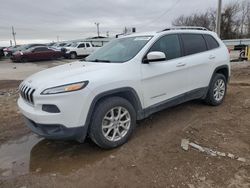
x=73 y=55
x=217 y=90
x=113 y=122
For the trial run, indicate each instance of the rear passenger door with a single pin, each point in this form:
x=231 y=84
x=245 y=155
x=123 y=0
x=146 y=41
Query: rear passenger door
x=89 y=49
x=197 y=59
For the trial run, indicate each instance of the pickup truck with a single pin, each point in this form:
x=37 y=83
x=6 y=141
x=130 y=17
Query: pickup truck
x=79 y=49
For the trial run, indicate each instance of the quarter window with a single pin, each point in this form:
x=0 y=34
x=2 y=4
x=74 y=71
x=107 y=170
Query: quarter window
x=169 y=45
x=211 y=42
x=193 y=43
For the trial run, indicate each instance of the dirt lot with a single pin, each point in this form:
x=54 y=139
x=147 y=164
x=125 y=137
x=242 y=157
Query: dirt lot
x=152 y=158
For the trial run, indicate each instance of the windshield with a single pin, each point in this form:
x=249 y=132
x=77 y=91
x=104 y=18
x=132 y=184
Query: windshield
x=119 y=50
x=75 y=44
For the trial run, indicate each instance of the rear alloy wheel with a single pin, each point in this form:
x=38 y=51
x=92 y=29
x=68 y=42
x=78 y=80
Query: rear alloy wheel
x=217 y=90
x=73 y=55
x=113 y=122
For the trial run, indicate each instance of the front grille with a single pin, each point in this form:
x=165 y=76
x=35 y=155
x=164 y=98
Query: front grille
x=27 y=93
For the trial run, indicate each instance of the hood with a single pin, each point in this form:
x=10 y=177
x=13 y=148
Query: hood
x=68 y=73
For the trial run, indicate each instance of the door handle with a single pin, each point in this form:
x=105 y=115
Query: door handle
x=180 y=64
x=211 y=57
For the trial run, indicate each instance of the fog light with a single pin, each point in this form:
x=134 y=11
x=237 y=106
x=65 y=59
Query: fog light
x=50 y=108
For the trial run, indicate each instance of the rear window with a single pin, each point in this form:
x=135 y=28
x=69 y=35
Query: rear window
x=193 y=43
x=211 y=42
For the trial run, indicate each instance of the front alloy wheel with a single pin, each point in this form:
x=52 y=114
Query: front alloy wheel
x=113 y=122
x=116 y=123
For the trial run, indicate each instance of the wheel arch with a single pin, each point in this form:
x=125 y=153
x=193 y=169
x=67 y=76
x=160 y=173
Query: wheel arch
x=127 y=93
x=224 y=69
x=73 y=52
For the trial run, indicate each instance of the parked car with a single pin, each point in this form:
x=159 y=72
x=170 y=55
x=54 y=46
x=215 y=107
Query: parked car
x=9 y=50
x=1 y=52
x=126 y=80
x=36 y=54
x=79 y=49
x=25 y=47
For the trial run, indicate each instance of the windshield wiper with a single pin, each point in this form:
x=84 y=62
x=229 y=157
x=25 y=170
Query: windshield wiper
x=100 y=60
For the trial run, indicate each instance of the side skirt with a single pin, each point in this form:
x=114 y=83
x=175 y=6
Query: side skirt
x=191 y=95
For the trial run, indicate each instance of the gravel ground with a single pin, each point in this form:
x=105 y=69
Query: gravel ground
x=152 y=158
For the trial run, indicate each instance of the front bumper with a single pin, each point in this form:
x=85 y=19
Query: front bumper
x=56 y=131
x=66 y=54
x=68 y=123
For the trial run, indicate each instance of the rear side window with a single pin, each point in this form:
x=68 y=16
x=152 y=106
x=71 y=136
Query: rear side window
x=169 y=45
x=41 y=49
x=193 y=43
x=211 y=42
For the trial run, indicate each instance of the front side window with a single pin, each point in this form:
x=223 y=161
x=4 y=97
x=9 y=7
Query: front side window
x=119 y=50
x=169 y=45
x=81 y=45
x=193 y=43
x=87 y=45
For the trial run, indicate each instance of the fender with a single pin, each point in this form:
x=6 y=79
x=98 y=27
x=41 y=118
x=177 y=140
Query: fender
x=117 y=92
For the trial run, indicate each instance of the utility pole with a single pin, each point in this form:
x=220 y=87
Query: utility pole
x=97 y=27
x=57 y=38
x=218 y=17
x=14 y=35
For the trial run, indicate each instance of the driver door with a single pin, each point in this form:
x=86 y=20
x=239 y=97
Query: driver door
x=164 y=80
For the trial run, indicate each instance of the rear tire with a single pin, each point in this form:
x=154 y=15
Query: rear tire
x=217 y=90
x=113 y=122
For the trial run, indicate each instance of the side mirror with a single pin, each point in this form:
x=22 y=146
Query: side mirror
x=155 y=56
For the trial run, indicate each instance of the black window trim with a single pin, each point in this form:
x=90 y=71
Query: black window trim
x=178 y=35
x=182 y=45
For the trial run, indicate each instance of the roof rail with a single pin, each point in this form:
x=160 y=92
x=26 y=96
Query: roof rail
x=185 y=28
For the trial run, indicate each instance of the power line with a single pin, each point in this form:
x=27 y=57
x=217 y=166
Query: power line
x=164 y=13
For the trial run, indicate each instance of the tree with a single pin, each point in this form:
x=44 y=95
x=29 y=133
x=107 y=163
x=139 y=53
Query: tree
x=235 y=20
x=202 y=20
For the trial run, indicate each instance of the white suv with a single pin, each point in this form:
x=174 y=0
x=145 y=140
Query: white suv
x=79 y=49
x=127 y=80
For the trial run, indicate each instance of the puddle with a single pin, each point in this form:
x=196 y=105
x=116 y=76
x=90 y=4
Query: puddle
x=34 y=154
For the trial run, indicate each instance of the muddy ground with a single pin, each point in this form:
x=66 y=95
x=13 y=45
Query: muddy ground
x=152 y=158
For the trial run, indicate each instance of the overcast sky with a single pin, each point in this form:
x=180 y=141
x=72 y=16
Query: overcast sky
x=44 y=20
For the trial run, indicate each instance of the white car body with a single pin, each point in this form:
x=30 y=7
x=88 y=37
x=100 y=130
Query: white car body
x=81 y=49
x=152 y=84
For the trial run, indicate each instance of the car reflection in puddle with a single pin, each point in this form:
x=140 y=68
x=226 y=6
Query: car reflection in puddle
x=34 y=154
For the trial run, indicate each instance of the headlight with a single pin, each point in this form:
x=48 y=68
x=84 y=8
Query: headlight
x=65 y=88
